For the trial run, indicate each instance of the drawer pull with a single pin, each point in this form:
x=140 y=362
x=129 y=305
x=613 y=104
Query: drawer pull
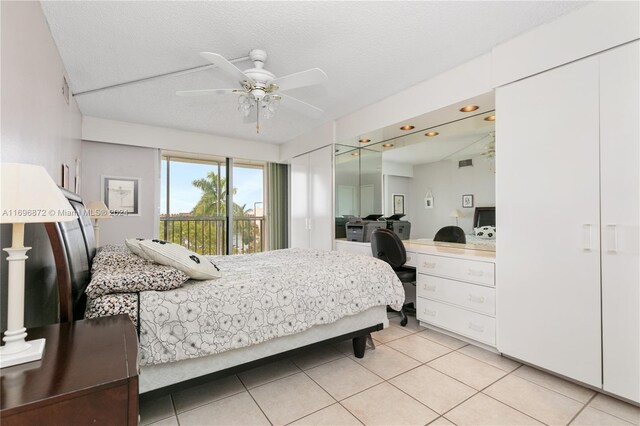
x=428 y=287
x=475 y=272
x=476 y=299
x=429 y=265
x=476 y=327
x=431 y=313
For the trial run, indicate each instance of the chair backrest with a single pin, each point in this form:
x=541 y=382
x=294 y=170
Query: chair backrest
x=387 y=246
x=451 y=234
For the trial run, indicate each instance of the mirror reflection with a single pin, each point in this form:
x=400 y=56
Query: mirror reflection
x=435 y=177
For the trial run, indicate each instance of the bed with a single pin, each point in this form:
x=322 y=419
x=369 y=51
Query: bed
x=74 y=250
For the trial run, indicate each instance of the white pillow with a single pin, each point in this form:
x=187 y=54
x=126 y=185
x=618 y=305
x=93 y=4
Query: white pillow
x=486 y=232
x=134 y=247
x=193 y=264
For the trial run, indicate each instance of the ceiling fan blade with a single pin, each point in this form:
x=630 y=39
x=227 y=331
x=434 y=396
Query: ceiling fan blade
x=204 y=92
x=300 y=79
x=226 y=66
x=303 y=107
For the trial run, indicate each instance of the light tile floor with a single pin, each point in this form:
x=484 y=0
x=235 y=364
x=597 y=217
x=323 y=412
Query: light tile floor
x=414 y=377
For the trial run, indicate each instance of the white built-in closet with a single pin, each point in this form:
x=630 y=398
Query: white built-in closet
x=312 y=200
x=568 y=189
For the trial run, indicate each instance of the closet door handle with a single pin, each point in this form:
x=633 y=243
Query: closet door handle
x=586 y=236
x=613 y=238
x=310 y=223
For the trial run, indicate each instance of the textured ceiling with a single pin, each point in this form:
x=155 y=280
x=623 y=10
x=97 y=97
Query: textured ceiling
x=369 y=50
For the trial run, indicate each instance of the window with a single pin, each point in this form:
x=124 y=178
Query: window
x=193 y=210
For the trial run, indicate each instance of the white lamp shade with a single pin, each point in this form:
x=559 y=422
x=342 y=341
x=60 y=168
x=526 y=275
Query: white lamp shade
x=29 y=195
x=455 y=213
x=98 y=210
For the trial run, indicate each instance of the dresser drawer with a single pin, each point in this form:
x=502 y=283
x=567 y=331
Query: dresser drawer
x=459 y=269
x=471 y=296
x=473 y=325
x=412 y=259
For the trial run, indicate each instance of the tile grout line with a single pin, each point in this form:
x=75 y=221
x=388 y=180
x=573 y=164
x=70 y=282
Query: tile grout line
x=553 y=390
x=259 y=407
x=210 y=402
x=611 y=414
x=175 y=412
x=582 y=409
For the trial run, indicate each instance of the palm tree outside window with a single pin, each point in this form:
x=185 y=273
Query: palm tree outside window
x=194 y=204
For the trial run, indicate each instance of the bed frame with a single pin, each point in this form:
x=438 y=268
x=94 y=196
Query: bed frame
x=73 y=245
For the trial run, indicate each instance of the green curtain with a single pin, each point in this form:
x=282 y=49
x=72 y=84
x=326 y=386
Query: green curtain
x=277 y=205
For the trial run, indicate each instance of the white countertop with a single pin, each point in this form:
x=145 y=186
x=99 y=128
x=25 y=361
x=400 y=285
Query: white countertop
x=428 y=246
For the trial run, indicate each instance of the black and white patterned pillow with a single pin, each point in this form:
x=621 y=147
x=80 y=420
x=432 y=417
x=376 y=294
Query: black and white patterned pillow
x=193 y=264
x=486 y=232
x=116 y=270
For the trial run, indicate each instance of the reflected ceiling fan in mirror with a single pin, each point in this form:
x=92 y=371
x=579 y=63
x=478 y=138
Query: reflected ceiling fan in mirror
x=260 y=91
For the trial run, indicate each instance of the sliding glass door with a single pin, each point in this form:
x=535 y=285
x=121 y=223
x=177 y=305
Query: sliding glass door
x=193 y=210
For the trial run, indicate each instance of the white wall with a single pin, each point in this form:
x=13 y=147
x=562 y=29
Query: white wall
x=38 y=126
x=123 y=133
x=103 y=159
x=448 y=184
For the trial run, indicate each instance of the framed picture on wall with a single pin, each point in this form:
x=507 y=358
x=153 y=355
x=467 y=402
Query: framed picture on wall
x=398 y=203
x=467 y=201
x=121 y=195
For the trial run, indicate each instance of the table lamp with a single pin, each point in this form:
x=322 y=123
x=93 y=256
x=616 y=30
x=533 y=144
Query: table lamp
x=456 y=213
x=98 y=210
x=29 y=195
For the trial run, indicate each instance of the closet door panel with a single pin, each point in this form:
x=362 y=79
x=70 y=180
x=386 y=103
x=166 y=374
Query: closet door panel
x=321 y=201
x=620 y=177
x=299 y=200
x=547 y=199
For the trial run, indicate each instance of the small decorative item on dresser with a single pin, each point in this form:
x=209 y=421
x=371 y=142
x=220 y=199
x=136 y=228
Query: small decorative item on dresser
x=467 y=201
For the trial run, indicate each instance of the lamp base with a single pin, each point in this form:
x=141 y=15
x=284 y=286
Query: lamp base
x=33 y=352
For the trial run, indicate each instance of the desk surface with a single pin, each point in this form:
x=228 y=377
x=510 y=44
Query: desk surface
x=468 y=251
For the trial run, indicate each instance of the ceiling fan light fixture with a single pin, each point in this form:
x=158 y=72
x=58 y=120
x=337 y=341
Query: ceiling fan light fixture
x=469 y=108
x=407 y=127
x=245 y=103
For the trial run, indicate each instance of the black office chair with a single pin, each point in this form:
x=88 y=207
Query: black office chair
x=451 y=234
x=385 y=245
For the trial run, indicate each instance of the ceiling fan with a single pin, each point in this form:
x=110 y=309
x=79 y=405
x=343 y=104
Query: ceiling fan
x=261 y=89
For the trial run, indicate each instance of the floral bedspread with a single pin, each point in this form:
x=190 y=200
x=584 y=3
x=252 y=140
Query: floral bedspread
x=260 y=297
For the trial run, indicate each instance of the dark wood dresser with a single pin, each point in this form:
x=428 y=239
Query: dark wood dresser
x=87 y=375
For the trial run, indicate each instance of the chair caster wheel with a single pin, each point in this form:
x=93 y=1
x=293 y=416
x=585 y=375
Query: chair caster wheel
x=404 y=322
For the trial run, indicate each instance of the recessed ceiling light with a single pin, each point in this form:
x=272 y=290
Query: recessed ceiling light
x=387 y=145
x=469 y=108
x=407 y=127
x=490 y=118
x=355 y=153
x=364 y=140
x=431 y=134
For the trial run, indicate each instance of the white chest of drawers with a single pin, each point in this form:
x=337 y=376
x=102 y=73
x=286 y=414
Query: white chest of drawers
x=457 y=293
